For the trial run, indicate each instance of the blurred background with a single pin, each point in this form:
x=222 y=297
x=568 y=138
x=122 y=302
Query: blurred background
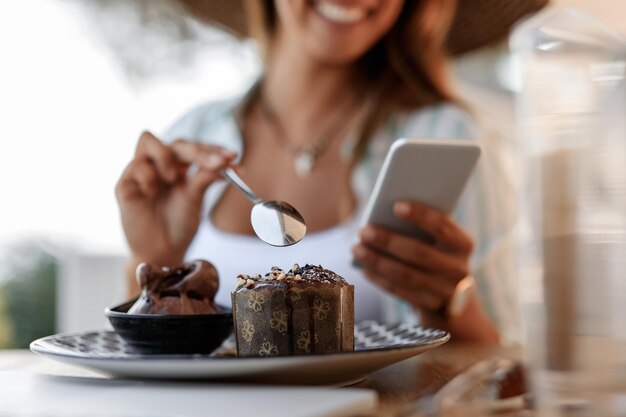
x=79 y=81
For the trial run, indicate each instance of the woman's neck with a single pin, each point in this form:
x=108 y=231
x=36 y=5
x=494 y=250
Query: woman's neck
x=303 y=92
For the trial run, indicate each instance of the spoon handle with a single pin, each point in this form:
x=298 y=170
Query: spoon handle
x=231 y=176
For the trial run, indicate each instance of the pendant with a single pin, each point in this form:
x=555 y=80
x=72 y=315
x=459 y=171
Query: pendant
x=304 y=163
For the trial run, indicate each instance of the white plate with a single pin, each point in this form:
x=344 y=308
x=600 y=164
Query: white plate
x=376 y=346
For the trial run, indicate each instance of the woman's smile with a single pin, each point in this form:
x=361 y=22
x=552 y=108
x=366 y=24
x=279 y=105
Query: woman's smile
x=336 y=31
x=341 y=13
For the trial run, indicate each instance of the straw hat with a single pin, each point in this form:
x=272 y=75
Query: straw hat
x=476 y=23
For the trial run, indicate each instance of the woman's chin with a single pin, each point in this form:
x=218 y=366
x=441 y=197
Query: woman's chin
x=333 y=55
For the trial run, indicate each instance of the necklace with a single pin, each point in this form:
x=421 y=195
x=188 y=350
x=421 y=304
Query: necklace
x=305 y=156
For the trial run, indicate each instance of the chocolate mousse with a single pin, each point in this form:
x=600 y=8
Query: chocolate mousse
x=188 y=289
x=301 y=311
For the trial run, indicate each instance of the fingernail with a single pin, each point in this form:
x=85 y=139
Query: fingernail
x=213 y=161
x=369 y=234
x=228 y=153
x=402 y=209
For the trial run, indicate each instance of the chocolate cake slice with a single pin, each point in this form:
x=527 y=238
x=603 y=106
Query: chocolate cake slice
x=305 y=310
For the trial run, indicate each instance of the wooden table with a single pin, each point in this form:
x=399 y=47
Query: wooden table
x=397 y=385
x=424 y=375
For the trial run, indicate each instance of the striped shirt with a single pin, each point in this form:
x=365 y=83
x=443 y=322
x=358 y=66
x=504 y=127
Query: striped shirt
x=486 y=210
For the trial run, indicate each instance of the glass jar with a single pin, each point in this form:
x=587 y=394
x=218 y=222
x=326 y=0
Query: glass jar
x=571 y=108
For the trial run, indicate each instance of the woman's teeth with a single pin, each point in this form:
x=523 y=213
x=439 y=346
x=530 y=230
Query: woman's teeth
x=340 y=13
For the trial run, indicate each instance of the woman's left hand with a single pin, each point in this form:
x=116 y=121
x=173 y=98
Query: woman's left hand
x=424 y=274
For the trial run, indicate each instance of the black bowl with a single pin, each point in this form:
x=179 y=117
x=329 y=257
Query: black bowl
x=184 y=334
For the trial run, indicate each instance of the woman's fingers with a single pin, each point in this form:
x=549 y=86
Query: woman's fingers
x=139 y=178
x=437 y=224
x=156 y=163
x=199 y=182
x=419 y=298
x=211 y=158
x=399 y=274
x=172 y=162
x=422 y=273
x=152 y=149
x=146 y=177
x=415 y=252
x=209 y=161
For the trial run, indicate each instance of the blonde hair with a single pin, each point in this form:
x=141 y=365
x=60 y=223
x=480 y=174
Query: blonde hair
x=406 y=69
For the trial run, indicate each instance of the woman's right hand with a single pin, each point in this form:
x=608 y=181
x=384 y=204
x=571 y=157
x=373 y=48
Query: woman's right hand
x=160 y=203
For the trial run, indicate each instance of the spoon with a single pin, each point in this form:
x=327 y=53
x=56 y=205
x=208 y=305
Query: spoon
x=274 y=222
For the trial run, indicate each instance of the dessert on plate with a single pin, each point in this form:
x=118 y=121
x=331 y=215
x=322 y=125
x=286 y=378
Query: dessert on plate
x=305 y=310
x=188 y=289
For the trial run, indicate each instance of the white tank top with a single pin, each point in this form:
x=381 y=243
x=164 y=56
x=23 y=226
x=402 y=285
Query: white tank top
x=234 y=254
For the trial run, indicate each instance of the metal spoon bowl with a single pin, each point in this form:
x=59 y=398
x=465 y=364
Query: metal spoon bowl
x=274 y=222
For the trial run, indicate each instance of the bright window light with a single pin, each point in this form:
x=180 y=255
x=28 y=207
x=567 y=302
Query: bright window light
x=70 y=121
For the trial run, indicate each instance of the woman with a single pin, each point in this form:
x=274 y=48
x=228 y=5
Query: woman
x=342 y=80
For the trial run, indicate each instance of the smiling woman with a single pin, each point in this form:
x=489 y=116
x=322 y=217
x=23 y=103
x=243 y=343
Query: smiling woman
x=342 y=79
x=336 y=33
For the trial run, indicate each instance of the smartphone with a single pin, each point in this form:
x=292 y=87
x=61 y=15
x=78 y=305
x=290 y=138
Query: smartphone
x=431 y=172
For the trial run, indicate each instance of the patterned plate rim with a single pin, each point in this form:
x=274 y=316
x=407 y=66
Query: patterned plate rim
x=44 y=347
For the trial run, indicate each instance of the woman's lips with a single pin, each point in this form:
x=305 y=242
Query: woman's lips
x=340 y=13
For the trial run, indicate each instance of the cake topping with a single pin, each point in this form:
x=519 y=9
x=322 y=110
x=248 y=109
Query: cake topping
x=320 y=274
x=310 y=273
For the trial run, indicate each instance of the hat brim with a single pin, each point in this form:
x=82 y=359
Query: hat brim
x=479 y=23
x=476 y=23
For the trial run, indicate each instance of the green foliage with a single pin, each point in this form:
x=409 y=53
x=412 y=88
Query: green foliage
x=6 y=329
x=28 y=293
